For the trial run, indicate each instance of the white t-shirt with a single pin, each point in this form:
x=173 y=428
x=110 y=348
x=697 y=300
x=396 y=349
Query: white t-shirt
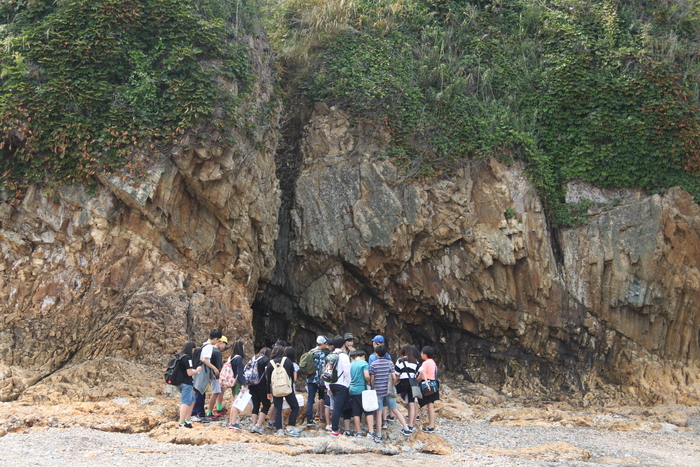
x=207 y=350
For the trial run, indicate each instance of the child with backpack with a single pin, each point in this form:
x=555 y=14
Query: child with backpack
x=428 y=373
x=280 y=373
x=241 y=383
x=407 y=370
x=257 y=385
x=336 y=376
x=184 y=361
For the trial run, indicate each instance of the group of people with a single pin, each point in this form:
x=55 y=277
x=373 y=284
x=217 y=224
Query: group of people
x=335 y=383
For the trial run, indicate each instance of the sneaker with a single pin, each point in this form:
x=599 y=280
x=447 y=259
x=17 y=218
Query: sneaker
x=335 y=434
x=406 y=431
x=216 y=417
x=185 y=425
x=270 y=425
x=329 y=427
x=390 y=418
x=280 y=432
x=205 y=419
x=258 y=429
x=220 y=412
x=378 y=438
x=357 y=434
x=385 y=425
x=291 y=432
x=195 y=418
x=371 y=435
x=429 y=429
x=417 y=417
x=310 y=423
x=347 y=433
x=412 y=428
x=235 y=426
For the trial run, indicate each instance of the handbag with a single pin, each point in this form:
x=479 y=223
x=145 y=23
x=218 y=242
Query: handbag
x=369 y=400
x=390 y=388
x=428 y=387
x=416 y=392
x=226 y=377
x=242 y=400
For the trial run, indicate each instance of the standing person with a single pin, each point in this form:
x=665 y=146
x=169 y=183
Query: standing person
x=340 y=389
x=259 y=392
x=428 y=372
x=313 y=381
x=217 y=397
x=186 y=395
x=359 y=380
x=377 y=341
x=210 y=371
x=349 y=342
x=382 y=373
x=407 y=369
x=241 y=384
x=277 y=358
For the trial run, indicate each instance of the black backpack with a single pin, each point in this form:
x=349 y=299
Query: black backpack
x=197 y=357
x=330 y=369
x=174 y=374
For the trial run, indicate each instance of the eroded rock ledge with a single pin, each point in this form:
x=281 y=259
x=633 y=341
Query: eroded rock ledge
x=470 y=265
x=133 y=269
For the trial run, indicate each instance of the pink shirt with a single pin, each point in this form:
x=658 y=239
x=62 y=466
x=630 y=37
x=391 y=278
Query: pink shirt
x=429 y=369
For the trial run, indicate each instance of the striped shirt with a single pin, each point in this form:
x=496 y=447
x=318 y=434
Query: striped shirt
x=381 y=368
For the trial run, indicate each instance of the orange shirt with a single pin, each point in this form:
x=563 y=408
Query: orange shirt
x=429 y=369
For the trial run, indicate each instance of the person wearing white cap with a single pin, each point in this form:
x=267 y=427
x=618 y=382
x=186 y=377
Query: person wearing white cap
x=313 y=380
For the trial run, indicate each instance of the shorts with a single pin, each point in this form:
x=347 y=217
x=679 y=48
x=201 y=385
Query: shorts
x=215 y=386
x=390 y=402
x=186 y=394
x=356 y=403
x=236 y=389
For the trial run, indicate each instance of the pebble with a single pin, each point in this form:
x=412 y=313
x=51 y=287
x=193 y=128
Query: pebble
x=474 y=443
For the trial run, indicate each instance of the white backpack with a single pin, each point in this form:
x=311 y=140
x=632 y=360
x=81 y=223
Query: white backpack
x=280 y=382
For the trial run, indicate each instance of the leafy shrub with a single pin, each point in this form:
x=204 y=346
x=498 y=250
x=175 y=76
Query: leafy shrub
x=86 y=83
x=604 y=91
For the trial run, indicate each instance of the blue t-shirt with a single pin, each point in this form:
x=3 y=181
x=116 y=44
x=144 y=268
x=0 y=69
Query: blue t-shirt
x=373 y=357
x=357 y=375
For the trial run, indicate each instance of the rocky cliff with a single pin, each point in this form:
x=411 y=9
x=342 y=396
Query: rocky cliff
x=470 y=266
x=467 y=264
x=132 y=269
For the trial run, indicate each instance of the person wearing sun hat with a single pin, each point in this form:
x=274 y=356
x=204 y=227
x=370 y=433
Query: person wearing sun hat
x=349 y=342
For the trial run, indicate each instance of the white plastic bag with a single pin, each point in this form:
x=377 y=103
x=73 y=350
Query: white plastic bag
x=242 y=400
x=300 y=401
x=369 y=400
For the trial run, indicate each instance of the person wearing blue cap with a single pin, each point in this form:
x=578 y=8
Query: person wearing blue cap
x=378 y=340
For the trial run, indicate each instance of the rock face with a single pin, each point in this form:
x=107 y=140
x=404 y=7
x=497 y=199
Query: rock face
x=470 y=266
x=133 y=270
x=467 y=264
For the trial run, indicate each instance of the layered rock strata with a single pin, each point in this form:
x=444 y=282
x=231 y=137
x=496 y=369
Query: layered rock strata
x=470 y=266
x=134 y=268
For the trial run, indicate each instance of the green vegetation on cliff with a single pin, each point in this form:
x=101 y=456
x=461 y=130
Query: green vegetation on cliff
x=604 y=91
x=86 y=84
